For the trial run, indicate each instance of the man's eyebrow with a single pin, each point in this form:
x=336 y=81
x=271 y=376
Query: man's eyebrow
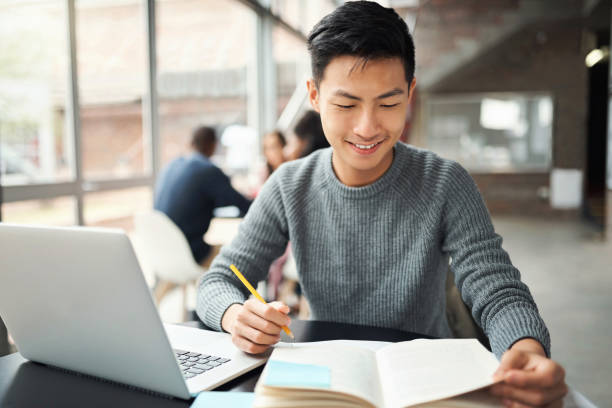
x=393 y=92
x=345 y=94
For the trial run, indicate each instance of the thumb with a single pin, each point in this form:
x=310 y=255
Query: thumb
x=281 y=307
x=511 y=359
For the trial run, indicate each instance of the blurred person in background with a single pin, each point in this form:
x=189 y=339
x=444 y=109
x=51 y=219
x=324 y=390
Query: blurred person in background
x=309 y=136
x=191 y=187
x=273 y=145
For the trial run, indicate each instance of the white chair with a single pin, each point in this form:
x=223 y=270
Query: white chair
x=163 y=252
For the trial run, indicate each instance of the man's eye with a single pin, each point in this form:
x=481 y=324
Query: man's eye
x=344 y=106
x=390 y=106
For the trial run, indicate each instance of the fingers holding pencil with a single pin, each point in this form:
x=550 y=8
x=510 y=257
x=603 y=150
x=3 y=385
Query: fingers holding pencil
x=273 y=314
x=255 y=326
x=251 y=289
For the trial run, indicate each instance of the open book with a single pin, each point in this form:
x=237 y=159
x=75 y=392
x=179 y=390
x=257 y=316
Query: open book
x=347 y=374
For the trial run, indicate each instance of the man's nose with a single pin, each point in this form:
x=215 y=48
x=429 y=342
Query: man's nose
x=367 y=125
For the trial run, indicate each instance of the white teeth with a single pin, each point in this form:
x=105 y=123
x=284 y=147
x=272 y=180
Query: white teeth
x=365 y=147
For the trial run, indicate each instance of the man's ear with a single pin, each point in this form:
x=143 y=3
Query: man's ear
x=411 y=90
x=313 y=94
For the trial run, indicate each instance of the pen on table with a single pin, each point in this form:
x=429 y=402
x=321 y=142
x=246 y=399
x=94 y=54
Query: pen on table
x=254 y=293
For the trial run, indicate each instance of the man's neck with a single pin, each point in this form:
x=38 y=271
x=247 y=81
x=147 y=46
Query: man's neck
x=352 y=177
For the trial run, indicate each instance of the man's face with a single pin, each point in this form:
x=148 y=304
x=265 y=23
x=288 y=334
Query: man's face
x=363 y=112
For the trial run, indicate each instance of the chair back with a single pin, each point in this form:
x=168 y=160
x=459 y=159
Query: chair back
x=162 y=248
x=459 y=317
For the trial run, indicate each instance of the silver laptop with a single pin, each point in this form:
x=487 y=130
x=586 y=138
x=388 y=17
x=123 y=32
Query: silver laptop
x=76 y=298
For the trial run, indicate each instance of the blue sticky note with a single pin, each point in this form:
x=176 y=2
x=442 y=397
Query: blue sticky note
x=208 y=399
x=285 y=374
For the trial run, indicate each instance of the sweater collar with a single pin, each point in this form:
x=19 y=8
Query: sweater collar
x=384 y=182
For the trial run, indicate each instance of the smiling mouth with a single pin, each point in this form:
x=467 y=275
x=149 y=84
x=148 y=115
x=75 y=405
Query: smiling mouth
x=365 y=147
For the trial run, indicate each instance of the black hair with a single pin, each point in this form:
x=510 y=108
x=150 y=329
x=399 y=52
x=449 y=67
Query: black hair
x=204 y=139
x=310 y=129
x=363 y=29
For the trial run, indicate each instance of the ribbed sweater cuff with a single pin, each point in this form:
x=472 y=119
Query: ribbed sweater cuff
x=517 y=323
x=211 y=309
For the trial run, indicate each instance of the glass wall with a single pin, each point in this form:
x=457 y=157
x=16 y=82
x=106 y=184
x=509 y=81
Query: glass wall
x=301 y=15
x=34 y=145
x=57 y=211
x=111 y=51
x=116 y=208
x=204 y=58
x=96 y=167
x=292 y=65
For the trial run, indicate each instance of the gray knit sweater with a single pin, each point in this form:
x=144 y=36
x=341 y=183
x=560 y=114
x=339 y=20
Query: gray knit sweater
x=378 y=255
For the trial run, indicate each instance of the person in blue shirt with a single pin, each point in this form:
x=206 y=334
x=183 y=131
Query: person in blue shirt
x=191 y=187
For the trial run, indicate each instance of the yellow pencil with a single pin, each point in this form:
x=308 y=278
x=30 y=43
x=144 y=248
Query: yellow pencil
x=254 y=292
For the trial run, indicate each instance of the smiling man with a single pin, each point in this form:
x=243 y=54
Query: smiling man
x=373 y=222
x=361 y=124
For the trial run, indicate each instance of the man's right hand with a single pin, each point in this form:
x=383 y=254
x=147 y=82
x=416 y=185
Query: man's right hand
x=255 y=326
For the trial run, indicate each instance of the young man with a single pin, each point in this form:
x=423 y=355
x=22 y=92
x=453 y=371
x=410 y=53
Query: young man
x=373 y=222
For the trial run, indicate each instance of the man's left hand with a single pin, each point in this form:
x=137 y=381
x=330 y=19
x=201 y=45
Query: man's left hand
x=529 y=379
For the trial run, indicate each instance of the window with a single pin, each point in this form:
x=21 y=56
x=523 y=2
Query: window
x=205 y=54
x=59 y=211
x=111 y=51
x=116 y=208
x=492 y=132
x=34 y=145
x=302 y=15
x=208 y=73
x=292 y=65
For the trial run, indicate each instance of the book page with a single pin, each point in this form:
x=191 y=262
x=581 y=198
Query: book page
x=419 y=371
x=368 y=344
x=475 y=399
x=353 y=369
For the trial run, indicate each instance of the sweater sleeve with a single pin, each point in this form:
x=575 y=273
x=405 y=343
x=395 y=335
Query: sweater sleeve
x=489 y=284
x=262 y=237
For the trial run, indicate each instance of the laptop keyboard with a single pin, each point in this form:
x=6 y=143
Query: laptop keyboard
x=193 y=364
